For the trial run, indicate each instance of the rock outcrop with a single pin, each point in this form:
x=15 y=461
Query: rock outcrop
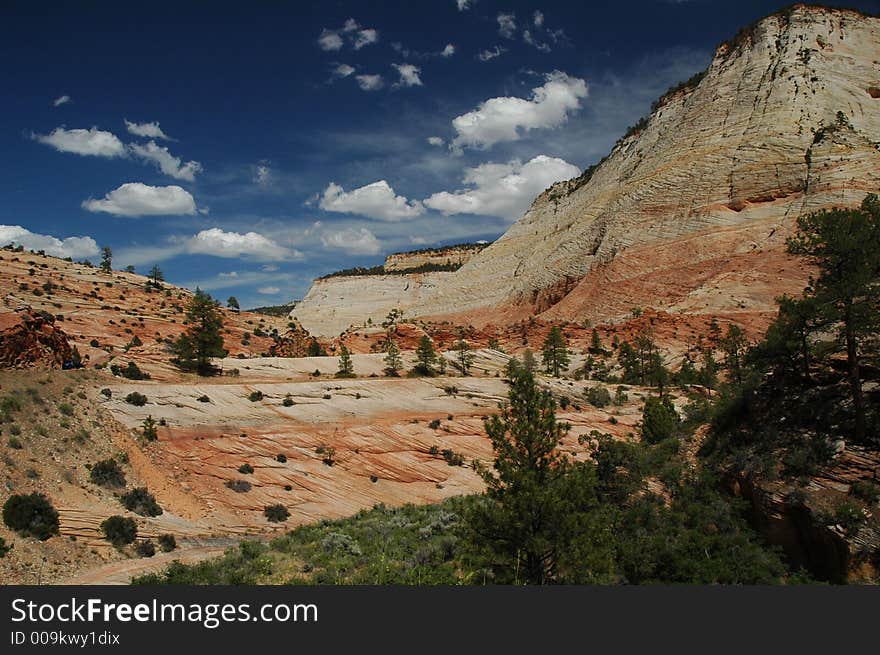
x=29 y=338
x=690 y=211
x=449 y=256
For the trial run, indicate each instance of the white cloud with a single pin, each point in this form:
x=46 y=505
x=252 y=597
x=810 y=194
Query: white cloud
x=355 y=241
x=506 y=25
x=166 y=162
x=330 y=41
x=149 y=130
x=268 y=291
x=75 y=247
x=486 y=55
x=435 y=141
x=138 y=199
x=268 y=268
x=532 y=41
x=62 y=100
x=505 y=118
x=230 y=275
x=218 y=243
x=376 y=200
x=448 y=51
x=343 y=70
x=92 y=142
x=365 y=37
x=409 y=75
x=503 y=190
x=370 y=82
x=262 y=175
x=538 y=18
x=464 y=5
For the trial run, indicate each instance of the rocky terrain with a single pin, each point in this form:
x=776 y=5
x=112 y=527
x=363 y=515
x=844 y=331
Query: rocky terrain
x=690 y=211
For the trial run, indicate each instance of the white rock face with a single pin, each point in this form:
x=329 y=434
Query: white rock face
x=332 y=304
x=740 y=149
x=785 y=121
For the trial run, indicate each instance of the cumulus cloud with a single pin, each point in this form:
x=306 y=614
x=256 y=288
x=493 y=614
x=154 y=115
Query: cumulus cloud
x=219 y=243
x=262 y=175
x=138 y=199
x=506 y=118
x=354 y=241
x=165 y=161
x=365 y=37
x=409 y=75
x=503 y=190
x=376 y=200
x=330 y=40
x=538 y=18
x=74 y=247
x=435 y=141
x=370 y=82
x=89 y=143
x=448 y=51
x=529 y=38
x=486 y=55
x=61 y=100
x=268 y=291
x=149 y=130
x=334 y=40
x=506 y=25
x=464 y=5
x=343 y=70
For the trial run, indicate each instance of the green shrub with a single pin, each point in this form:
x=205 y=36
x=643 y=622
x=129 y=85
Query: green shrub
x=107 y=473
x=288 y=401
x=145 y=548
x=14 y=443
x=136 y=399
x=660 y=420
x=140 y=501
x=106 y=393
x=4 y=548
x=119 y=530
x=246 y=469
x=203 y=399
x=149 y=431
x=866 y=490
x=255 y=396
x=598 y=396
x=281 y=457
x=276 y=513
x=130 y=372
x=434 y=424
x=31 y=515
x=239 y=486
x=66 y=409
x=167 y=542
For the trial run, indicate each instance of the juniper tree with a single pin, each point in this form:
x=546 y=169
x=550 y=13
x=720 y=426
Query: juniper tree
x=232 y=303
x=555 y=352
x=734 y=344
x=156 y=277
x=202 y=340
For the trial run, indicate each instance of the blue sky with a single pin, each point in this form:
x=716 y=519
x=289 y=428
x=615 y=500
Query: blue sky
x=250 y=147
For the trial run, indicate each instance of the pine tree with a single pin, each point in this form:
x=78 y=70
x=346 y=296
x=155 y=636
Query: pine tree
x=708 y=373
x=156 y=277
x=315 y=349
x=528 y=363
x=596 y=347
x=346 y=366
x=463 y=355
x=555 y=352
x=203 y=339
x=734 y=346
x=538 y=503
x=393 y=361
x=845 y=246
x=106 y=259
x=426 y=357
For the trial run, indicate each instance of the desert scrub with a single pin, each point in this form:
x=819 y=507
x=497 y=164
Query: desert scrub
x=137 y=399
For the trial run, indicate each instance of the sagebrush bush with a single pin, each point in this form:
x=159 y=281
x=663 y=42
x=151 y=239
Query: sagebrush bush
x=137 y=399
x=107 y=473
x=141 y=501
x=145 y=548
x=276 y=513
x=167 y=542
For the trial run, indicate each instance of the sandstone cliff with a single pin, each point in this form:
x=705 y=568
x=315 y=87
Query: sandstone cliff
x=690 y=212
